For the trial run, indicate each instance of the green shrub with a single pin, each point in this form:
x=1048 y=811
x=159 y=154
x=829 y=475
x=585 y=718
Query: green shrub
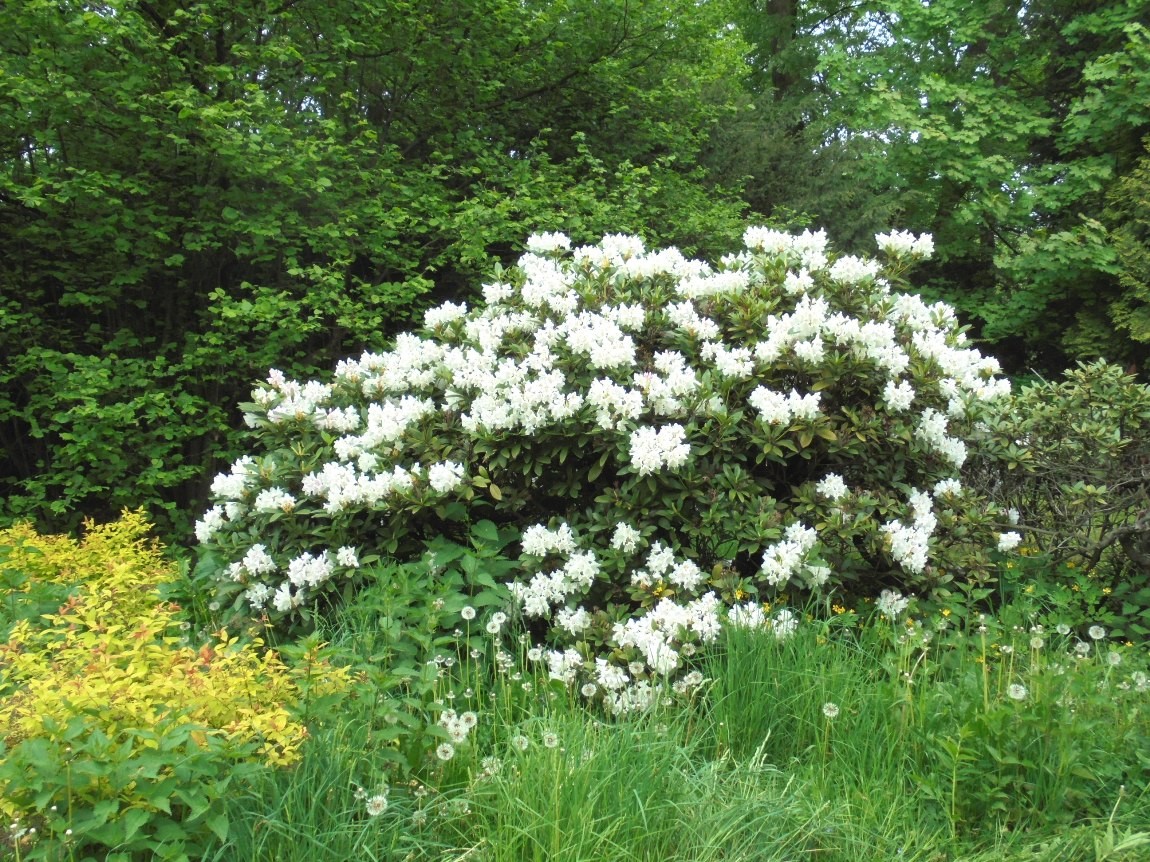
x=1082 y=447
x=1081 y=484
x=115 y=731
x=670 y=438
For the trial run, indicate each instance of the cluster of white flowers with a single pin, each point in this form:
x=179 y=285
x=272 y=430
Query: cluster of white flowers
x=211 y=523
x=737 y=363
x=657 y=633
x=891 y=603
x=931 y=430
x=540 y=541
x=686 y=317
x=546 y=590
x=898 y=396
x=751 y=615
x=445 y=477
x=910 y=544
x=235 y=484
x=832 y=487
x=458 y=725
x=947 y=488
x=1009 y=541
x=734 y=280
x=783 y=559
x=341 y=486
x=662 y=566
x=387 y=422
x=652 y=450
x=625 y=538
x=444 y=314
x=808 y=248
x=898 y=243
x=852 y=270
x=274 y=500
x=778 y=409
x=543 y=243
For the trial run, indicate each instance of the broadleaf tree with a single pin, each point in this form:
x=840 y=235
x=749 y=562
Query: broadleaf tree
x=193 y=191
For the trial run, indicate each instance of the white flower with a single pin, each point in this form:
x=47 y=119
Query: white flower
x=542 y=243
x=574 y=621
x=852 y=270
x=284 y=599
x=832 y=487
x=831 y=710
x=444 y=314
x=625 y=539
x=747 y=616
x=784 y=624
x=891 y=603
x=766 y=240
x=686 y=575
x=257 y=596
x=445 y=477
x=652 y=450
x=376 y=805
x=257 y=561
x=947 y=488
x=1016 y=691
x=468 y=613
x=445 y=751
x=1113 y=658
x=898 y=243
x=898 y=396
x=210 y=524
x=346 y=556
x=550 y=739
x=1008 y=541
x=307 y=570
x=1096 y=632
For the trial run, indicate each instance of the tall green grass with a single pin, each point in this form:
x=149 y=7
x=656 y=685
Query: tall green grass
x=846 y=742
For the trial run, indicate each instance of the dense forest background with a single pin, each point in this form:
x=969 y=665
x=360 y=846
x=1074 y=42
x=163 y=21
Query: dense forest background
x=194 y=192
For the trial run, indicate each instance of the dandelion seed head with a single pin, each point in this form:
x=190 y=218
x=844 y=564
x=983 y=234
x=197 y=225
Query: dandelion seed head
x=376 y=805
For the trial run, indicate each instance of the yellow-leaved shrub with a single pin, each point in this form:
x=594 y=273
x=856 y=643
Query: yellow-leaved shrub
x=112 y=656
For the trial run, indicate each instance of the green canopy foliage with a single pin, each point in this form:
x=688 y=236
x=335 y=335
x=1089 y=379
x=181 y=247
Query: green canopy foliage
x=192 y=192
x=999 y=127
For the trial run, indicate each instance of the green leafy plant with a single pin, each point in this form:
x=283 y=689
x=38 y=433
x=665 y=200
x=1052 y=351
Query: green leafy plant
x=116 y=731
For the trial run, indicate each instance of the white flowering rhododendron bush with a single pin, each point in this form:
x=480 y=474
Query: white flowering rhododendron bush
x=676 y=443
